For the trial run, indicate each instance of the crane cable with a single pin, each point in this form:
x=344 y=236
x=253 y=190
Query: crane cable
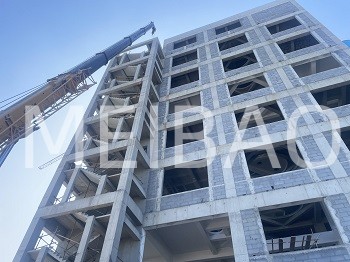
x=21 y=95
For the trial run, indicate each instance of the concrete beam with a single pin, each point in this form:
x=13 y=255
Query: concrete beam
x=121 y=87
x=135 y=212
x=204 y=235
x=298 y=194
x=80 y=205
x=132 y=230
x=130 y=63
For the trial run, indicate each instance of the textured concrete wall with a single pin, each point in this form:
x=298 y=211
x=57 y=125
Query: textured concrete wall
x=290 y=92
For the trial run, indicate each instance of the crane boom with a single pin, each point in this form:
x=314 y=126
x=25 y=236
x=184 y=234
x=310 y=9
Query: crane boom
x=18 y=120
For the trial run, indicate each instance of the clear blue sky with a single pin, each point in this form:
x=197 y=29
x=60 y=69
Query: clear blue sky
x=40 y=39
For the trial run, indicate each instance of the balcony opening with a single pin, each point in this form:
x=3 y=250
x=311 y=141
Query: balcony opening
x=240 y=40
x=297 y=227
x=184 y=79
x=185 y=42
x=240 y=61
x=184 y=58
x=288 y=24
x=187 y=177
x=184 y=103
x=266 y=113
x=238 y=88
x=228 y=27
x=185 y=134
x=206 y=240
x=316 y=66
x=298 y=43
x=334 y=96
x=259 y=160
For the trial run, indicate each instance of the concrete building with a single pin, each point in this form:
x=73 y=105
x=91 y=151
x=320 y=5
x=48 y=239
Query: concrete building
x=128 y=189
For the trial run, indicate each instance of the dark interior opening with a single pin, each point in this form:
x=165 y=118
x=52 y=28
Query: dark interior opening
x=182 y=59
x=240 y=61
x=269 y=112
x=273 y=29
x=190 y=177
x=185 y=42
x=185 y=78
x=250 y=85
x=228 y=27
x=298 y=43
x=316 y=66
x=333 y=97
x=191 y=133
x=297 y=227
x=259 y=163
x=233 y=42
x=184 y=103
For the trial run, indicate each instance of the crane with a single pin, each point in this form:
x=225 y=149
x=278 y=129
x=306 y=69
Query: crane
x=20 y=119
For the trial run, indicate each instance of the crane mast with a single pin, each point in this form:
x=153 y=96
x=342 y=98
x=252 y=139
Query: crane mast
x=22 y=118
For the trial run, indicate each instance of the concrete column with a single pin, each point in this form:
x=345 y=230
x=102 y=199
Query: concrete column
x=42 y=255
x=114 y=230
x=101 y=185
x=70 y=185
x=29 y=240
x=237 y=236
x=131 y=250
x=116 y=221
x=84 y=242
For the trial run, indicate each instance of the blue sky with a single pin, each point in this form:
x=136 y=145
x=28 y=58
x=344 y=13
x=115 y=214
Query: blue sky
x=40 y=39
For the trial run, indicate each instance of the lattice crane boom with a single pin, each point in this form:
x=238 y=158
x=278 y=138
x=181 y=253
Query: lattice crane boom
x=54 y=94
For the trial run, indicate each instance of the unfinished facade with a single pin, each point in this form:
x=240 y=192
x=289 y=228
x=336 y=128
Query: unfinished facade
x=128 y=189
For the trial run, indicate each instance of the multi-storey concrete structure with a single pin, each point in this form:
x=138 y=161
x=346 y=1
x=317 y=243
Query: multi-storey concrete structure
x=216 y=195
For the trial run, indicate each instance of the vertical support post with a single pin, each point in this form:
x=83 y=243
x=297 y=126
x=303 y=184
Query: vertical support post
x=113 y=234
x=70 y=185
x=84 y=242
x=101 y=185
x=237 y=236
x=42 y=255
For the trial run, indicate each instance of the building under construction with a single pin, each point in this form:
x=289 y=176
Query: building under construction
x=128 y=189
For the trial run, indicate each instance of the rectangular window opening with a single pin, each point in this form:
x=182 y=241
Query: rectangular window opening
x=185 y=42
x=297 y=227
x=267 y=114
x=190 y=133
x=298 y=43
x=316 y=66
x=187 y=177
x=333 y=96
x=276 y=28
x=184 y=58
x=228 y=27
x=243 y=87
x=240 y=40
x=184 y=103
x=345 y=135
x=239 y=61
x=184 y=79
x=259 y=160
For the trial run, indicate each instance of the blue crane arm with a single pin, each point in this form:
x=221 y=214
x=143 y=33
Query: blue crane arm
x=100 y=59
